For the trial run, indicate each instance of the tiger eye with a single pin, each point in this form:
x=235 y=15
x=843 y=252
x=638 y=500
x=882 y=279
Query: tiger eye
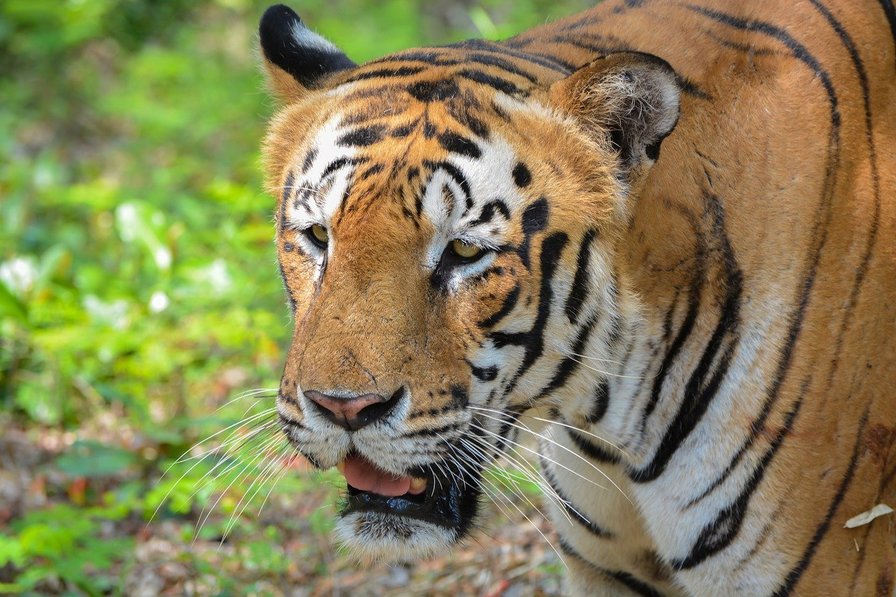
x=465 y=250
x=320 y=234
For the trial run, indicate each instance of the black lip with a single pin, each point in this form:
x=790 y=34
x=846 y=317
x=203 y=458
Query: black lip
x=447 y=502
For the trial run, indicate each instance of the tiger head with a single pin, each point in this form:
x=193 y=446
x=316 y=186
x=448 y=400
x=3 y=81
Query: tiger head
x=447 y=231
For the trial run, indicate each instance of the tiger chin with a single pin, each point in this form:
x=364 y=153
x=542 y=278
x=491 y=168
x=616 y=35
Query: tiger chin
x=656 y=236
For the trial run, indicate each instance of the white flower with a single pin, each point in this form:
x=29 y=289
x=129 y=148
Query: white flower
x=158 y=302
x=19 y=274
x=162 y=258
x=112 y=313
x=128 y=221
x=218 y=277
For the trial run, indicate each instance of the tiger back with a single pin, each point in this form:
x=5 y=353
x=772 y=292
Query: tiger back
x=655 y=236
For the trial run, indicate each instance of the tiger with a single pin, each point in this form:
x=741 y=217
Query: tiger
x=656 y=237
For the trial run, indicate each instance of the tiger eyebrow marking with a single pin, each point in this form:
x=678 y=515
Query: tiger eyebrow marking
x=488 y=212
x=454 y=172
x=362 y=137
x=459 y=144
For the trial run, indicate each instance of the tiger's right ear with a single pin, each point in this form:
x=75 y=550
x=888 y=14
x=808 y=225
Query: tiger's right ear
x=629 y=99
x=295 y=58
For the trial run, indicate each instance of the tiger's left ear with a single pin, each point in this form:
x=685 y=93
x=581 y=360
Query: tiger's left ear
x=296 y=58
x=629 y=99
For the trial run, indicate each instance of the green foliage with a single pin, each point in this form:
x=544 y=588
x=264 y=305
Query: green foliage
x=137 y=271
x=63 y=544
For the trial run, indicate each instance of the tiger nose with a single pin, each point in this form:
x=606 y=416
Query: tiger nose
x=354 y=412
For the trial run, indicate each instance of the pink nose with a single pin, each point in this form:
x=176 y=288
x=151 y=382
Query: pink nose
x=355 y=412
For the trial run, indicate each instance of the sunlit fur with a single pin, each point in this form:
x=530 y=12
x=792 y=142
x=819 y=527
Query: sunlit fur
x=711 y=337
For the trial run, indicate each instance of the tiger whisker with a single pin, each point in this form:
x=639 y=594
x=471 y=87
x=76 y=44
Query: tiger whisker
x=492 y=494
x=591 y=358
x=529 y=471
x=561 y=424
x=201 y=458
x=243 y=421
x=509 y=441
x=207 y=511
x=266 y=474
x=271 y=392
x=602 y=372
x=229 y=465
x=554 y=462
x=557 y=444
x=292 y=456
x=509 y=482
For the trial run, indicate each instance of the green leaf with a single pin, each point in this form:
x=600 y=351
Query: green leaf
x=46 y=540
x=11 y=307
x=11 y=552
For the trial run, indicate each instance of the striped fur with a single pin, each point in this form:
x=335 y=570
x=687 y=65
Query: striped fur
x=724 y=318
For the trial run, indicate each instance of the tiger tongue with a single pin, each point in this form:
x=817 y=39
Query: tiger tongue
x=361 y=474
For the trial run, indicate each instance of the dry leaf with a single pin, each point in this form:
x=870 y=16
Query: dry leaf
x=866 y=517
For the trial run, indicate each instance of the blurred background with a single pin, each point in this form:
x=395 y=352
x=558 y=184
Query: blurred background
x=143 y=323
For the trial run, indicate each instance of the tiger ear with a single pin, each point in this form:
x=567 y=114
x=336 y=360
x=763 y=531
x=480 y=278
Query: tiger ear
x=295 y=58
x=629 y=99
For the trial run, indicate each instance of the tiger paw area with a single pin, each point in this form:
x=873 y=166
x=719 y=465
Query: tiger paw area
x=143 y=322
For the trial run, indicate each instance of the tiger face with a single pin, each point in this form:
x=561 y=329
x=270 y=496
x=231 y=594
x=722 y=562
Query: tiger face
x=446 y=230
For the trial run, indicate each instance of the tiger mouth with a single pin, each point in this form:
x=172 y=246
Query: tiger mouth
x=429 y=494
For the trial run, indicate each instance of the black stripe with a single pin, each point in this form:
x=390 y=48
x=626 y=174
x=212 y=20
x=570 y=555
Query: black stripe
x=626 y=579
x=633 y=584
x=489 y=46
x=820 y=230
x=687 y=325
x=579 y=290
x=578 y=41
x=508 y=305
x=454 y=173
x=488 y=212
x=375 y=169
x=691 y=88
x=862 y=270
x=309 y=158
x=497 y=83
x=362 y=137
x=495 y=61
x=572 y=510
x=339 y=164
x=890 y=11
x=590 y=449
x=533 y=340
x=569 y=364
x=719 y=533
x=464 y=116
x=483 y=374
x=797 y=571
x=433 y=91
x=386 y=73
x=601 y=402
x=702 y=386
x=431 y=431
x=289 y=297
x=284 y=198
x=425 y=56
x=535 y=219
x=458 y=144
